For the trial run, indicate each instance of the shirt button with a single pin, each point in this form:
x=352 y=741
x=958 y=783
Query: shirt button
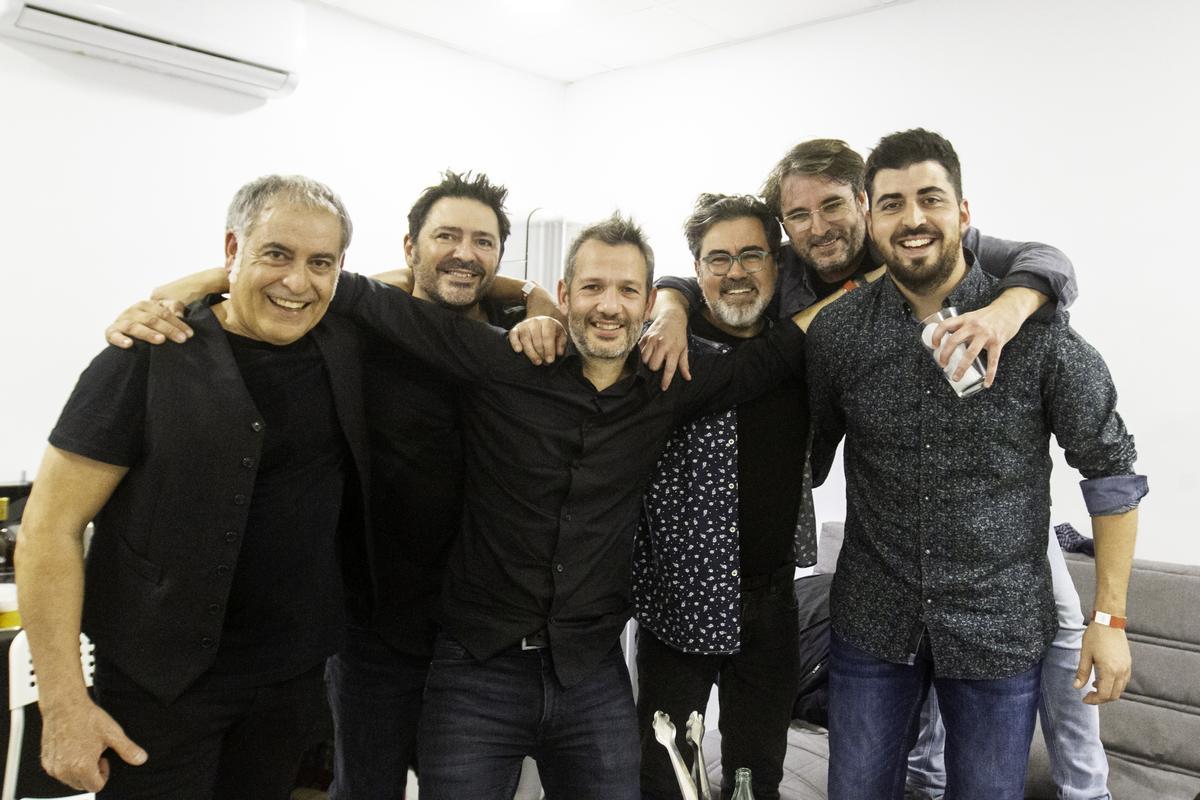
x=558 y=567
x=206 y=642
x=214 y=608
x=247 y=462
x=927 y=551
x=239 y=499
x=734 y=573
x=231 y=536
x=927 y=446
x=257 y=426
x=928 y=391
x=567 y=517
x=733 y=486
x=926 y=497
x=222 y=569
x=929 y=602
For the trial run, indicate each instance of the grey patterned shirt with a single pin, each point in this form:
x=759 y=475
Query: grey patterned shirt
x=948 y=499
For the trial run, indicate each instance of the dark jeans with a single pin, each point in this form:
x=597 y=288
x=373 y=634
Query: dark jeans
x=481 y=718
x=375 y=695
x=756 y=687
x=874 y=710
x=212 y=742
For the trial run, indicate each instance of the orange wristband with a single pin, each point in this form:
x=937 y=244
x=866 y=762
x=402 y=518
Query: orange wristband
x=1108 y=619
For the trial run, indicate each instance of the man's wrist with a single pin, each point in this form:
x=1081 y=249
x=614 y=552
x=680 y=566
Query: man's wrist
x=1109 y=620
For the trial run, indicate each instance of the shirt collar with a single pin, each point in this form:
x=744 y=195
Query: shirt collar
x=972 y=292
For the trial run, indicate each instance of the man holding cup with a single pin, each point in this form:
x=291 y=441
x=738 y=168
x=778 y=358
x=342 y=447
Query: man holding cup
x=943 y=577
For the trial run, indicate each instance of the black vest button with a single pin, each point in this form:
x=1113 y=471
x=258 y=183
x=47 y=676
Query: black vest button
x=206 y=642
x=222 y=569
x=214 y=608
x=231 y=536
x=247 y=462
x=256 y=426
x=239 y=499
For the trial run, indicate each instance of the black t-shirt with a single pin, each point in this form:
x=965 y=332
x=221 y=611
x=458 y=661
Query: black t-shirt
x=772 y=435
x=289 y=552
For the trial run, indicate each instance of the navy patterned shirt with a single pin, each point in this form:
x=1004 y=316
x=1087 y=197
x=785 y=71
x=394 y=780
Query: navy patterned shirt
x=948 y=499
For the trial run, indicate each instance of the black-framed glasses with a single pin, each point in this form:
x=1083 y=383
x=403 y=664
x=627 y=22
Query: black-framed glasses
x=751 y=260
x=832 y=211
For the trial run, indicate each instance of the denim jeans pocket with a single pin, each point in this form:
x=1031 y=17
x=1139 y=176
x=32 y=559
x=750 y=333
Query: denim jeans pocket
x=448 y=650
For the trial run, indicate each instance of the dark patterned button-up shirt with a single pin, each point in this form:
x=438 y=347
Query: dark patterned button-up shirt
x=948 y=499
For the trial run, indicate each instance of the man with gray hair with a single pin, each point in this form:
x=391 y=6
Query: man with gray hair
x=557 y=459
x=218 y=476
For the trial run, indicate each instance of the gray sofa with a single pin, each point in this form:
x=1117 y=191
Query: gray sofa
x=1152 y=735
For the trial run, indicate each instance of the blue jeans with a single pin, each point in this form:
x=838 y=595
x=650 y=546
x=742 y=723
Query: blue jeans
x=481 y=718
x=1071 y=728
x=375 y=696
x=874 y=709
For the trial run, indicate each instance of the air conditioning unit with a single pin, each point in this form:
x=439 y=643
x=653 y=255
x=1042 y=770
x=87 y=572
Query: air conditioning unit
x=249 y=46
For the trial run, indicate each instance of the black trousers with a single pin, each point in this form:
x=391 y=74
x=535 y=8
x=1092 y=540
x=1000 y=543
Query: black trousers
x=212 y=743
x=756 y=687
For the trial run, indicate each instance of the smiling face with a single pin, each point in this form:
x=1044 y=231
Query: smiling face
x=737 y=299
x=916 y=223
x=456 y=254
x=825 y=223
x=282 y=274
x=607 y=300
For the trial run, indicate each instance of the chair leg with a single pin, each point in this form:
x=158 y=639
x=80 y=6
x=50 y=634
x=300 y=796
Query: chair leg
x=16 y=733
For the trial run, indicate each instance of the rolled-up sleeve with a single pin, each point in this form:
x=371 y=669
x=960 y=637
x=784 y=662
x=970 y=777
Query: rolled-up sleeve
x=1084 y=419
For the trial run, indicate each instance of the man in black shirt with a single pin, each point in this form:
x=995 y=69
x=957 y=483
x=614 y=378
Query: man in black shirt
x=217 y=475
x=538 y=585
x=716 y=549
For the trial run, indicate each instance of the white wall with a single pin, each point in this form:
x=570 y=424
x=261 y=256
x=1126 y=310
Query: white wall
x=113 y=179
x=1076 y=122
x=1073 y=119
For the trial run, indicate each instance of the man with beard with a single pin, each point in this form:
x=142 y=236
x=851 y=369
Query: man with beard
x=456 y=234
x=558 y=457
x=816 y=190
x=943 y=576
x=717 y=544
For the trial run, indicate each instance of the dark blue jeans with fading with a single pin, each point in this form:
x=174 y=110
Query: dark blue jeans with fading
x=481 y=718
x=875 y=708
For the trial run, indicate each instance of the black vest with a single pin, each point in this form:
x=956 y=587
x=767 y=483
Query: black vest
x=161 y=561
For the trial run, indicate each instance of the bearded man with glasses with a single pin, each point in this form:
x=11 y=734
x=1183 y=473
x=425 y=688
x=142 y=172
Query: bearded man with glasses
x=715 y=550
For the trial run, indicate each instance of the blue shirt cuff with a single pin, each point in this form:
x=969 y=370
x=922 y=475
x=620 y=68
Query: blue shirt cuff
x=1113 y=494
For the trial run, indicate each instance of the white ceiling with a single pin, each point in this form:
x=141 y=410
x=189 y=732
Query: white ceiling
x=568 y=40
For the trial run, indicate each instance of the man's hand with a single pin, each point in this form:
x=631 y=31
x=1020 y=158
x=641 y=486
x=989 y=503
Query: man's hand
x=74 y=739
x=664 y=345
x=989 y=328
x=541 y=339
x=152 y=321
x=1107 y=650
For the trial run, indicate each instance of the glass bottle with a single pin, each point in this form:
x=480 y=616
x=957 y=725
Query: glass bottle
x=741 y=785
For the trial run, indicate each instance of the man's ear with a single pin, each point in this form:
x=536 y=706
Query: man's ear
x=563 y=303
x=650 y=298
x=964 y=213
x=696 y=265
x=862 y=198
x=409 y=247
x=231 y=249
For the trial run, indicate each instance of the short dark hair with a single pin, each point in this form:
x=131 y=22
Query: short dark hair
x=613 y=231
x=831 y=159
x=713 y=208
x=464 y=184
x=905 y=148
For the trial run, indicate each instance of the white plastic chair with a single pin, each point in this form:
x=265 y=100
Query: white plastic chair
x=23 y=690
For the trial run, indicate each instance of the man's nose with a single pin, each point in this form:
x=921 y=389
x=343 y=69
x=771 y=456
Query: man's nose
x=914 y=216
x=296 y=280
x=819 y=225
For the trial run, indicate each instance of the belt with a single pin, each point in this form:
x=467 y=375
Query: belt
x=780 y=577
x=538 y=640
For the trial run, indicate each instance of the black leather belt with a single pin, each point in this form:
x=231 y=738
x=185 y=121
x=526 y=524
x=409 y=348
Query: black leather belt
x=780 y=577
x=539 y=640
